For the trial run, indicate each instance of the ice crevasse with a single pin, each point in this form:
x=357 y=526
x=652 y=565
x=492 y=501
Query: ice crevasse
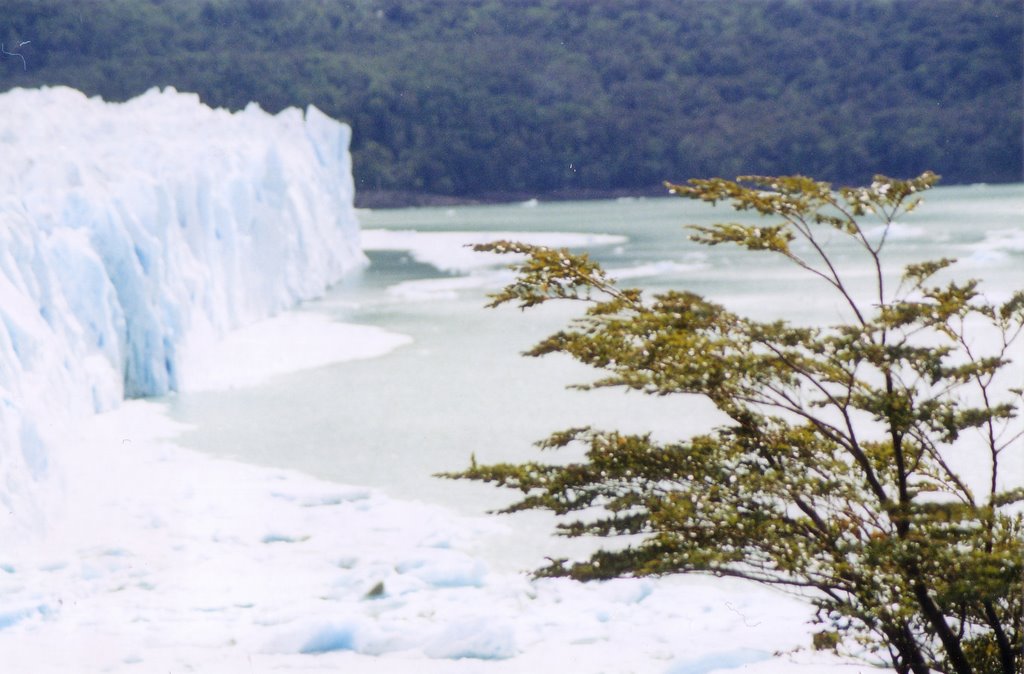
x=131 y=234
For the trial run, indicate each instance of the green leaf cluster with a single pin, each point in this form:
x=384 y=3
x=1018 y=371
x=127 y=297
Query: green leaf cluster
x=834 y=475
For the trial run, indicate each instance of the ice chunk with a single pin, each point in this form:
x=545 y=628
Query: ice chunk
x=479 y=638
x=719 y=661
x=444 y=568
x=339 y=636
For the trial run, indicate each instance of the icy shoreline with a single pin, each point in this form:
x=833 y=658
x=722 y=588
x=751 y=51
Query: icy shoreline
x=174 y=560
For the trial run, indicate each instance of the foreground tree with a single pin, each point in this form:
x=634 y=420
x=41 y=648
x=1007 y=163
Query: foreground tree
x=834 y=475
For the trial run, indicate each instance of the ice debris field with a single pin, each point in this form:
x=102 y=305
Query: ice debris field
x=142 y=247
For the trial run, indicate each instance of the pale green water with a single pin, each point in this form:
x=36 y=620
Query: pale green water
x=462 y=388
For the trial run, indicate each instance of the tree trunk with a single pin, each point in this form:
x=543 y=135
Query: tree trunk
x=950 y=642
x=1006 y=654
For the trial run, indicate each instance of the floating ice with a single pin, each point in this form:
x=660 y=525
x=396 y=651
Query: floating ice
x=694 y=262
x=286 y=343
x=445 y=288
x=479 y=638
x=719 y=661
x=896 y=232
x=450 y=251
x=999 y=246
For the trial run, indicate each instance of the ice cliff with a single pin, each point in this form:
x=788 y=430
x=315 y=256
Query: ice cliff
x=132 y=234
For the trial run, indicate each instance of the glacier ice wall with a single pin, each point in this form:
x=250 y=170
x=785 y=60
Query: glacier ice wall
x=133 y=233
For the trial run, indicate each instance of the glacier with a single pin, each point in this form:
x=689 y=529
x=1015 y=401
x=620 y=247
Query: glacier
x=132 y=235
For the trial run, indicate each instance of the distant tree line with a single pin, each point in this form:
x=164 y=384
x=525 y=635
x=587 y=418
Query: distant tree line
x=476 y=97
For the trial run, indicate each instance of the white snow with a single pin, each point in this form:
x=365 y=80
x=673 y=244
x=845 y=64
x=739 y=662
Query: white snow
x=175 y=561
x=131 y=234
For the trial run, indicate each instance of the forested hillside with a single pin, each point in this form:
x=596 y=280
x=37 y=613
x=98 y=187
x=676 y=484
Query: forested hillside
x=476 y=97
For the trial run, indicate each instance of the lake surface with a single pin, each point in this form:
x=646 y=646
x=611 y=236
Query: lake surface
x=461 y=387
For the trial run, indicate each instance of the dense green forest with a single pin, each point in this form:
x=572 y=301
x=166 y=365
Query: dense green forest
x=486 y=97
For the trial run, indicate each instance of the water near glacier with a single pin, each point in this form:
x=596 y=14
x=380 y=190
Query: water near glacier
x=461 y=387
